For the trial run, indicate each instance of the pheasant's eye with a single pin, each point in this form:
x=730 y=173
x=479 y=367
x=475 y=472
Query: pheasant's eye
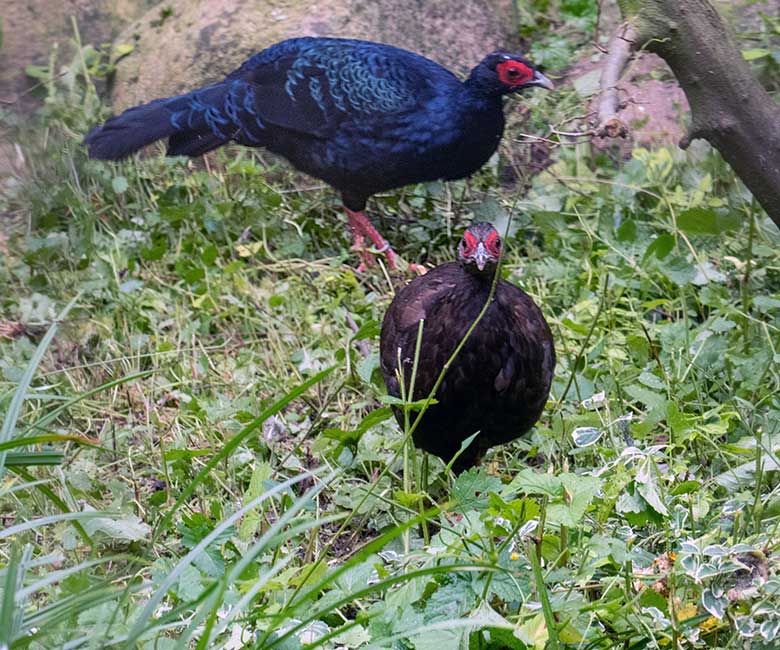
x=514 y=73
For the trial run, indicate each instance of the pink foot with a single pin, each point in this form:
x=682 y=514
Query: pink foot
x=362 y=227
x=359 y=246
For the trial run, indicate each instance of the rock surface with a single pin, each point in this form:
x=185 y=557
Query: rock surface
x=31 y=28
x=184 y=44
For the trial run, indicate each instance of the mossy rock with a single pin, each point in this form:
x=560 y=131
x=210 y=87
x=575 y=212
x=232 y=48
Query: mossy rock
x=32 y=28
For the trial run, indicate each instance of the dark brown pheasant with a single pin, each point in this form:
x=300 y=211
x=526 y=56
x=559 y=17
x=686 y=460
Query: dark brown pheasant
x=500 y=380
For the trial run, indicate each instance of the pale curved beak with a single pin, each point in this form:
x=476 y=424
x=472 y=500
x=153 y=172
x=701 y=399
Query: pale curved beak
x=541 y=81
x=481 y=256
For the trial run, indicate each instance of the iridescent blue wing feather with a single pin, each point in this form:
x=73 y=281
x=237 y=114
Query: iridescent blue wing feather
x=308 y=86
x=313 y=85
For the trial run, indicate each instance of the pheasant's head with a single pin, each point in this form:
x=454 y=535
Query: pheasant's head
x=501 y=73
x=480 y=248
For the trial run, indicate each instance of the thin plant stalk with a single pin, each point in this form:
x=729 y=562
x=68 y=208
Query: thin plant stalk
x=544 y=598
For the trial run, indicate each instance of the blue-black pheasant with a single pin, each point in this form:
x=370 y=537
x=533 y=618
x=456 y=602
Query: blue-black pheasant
x=499 y=382
x=362 y=116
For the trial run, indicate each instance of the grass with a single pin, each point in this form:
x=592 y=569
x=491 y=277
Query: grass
x=199 y=453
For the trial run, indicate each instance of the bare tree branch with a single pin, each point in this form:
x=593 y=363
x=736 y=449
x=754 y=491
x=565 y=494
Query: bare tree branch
x=621 y=50
x=729 y=106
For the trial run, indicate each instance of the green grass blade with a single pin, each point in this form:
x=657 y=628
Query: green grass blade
x=234 y=442
x=56 y=576
x=374 y=588
x=44 y=488
x=45 y=438
x=30 y=458
x=263 y=543
x=53 y=519
x=54 y=413
x=15 y=408
x=139 y=628
x=20 y=487
x=544 y=598
x=10 y=617
x=70 y=607
x=273 y=537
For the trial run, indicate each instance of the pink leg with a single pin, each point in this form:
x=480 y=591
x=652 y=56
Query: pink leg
x=362 y=227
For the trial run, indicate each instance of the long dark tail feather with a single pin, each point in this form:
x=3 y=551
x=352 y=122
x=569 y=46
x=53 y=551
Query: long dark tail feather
x=182 y=119
x=188 y=143
x=132 y=130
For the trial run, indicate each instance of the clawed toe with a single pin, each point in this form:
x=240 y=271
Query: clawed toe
x=361 y=228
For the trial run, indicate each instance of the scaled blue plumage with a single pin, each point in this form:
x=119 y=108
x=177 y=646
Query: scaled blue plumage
x=364 y=117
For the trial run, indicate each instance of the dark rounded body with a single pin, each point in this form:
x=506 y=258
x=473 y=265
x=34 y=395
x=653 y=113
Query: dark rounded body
x=499 y=382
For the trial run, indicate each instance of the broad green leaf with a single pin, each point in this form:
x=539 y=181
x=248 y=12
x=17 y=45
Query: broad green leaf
x=686 y=487
x=37 y=72
x=655 y=402
x=250 y=524
x=367 y=366
x=570 y=494
x=119 y=184
x=578 y=492
x=128 y=528
x=660 y=247
x=471 y=489
x=534 y=632
x=744 y=475
x=679 y=270
x=707 y=221
x=648 y=486
x=586 y=436
x=766 y=303
x=651 y=381
x=120 y=50
x=375 y=417
x=715 y=605
x=528 y=481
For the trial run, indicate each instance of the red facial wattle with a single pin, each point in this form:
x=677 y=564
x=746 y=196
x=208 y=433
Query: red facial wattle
x=493 y=243
x=514 y=73
x=470 y=243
